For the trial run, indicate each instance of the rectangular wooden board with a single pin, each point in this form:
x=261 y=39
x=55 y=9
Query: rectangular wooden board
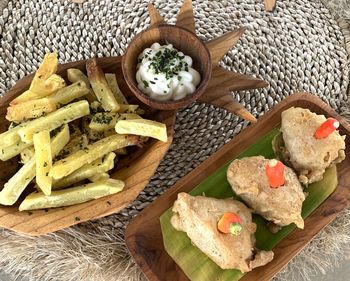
x=143 y=234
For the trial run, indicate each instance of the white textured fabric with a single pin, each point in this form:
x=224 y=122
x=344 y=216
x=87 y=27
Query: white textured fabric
x=299 y=47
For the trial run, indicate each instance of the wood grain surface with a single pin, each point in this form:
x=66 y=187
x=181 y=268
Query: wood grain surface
x=136 y=170
x=270 y=5
x=143 y=234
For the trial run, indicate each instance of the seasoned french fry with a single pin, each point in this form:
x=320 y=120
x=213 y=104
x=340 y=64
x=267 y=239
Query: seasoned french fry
x=142 y=127
x=54 y=120
x=72 y=196
x=19 y=181
x=41 y=90
x=92 y=152
x=75 y=144
x=60 y=140
x=76 y=75
x=43 y=161
x=45 y=81
x=69 y=93
x=27 y=154
x=99 y=177
x=113 y=85
x=99 y=166
x=30 y=109
x=11 y=136
x=100 y=86
x=128 y=108
x=103 y=121
x=8 y=152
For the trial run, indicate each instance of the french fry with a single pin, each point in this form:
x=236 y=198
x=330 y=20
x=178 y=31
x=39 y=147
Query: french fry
x=19 y=181
x=44 y=89
x=54 y=120
x=76 y=75
x=69 y=93
x=60 y=140
x=92 y=152
x=8 y=152
x=103 y=121
x=113 y=85
x=45 y=81
x=30 y=109
x=142 y=127
x=27 y=154
x=75 y=144
x=100 y=86
x=99 y=177
x=11 y=137
x=43 y=161
x=128 y=108
x=101 y=165
x=72 y=196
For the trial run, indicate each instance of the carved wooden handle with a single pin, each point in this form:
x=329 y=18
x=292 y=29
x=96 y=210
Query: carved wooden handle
x=270 y=5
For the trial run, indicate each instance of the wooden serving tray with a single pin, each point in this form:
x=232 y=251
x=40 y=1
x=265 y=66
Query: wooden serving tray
x=143 y=234
x=136 y=170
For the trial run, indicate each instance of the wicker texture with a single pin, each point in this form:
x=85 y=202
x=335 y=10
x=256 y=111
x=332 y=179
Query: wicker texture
x=299 y=47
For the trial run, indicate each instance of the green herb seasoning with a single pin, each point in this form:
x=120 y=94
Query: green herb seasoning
x=160 y=70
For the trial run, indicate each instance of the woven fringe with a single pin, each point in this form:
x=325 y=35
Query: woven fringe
x=279 y=47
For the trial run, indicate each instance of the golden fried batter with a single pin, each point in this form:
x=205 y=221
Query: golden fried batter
x=310 y=157
x=198 y=217
x=281 y=205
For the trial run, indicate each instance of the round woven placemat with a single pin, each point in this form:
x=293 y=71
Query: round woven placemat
x=299 y=47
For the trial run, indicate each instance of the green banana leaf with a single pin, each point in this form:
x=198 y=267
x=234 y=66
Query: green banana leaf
x=194 y=263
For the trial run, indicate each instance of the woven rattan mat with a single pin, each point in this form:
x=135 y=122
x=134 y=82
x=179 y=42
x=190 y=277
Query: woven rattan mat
x=299 y=47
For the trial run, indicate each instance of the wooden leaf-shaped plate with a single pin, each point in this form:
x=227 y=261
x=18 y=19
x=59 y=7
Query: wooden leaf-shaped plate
x=144 y=237
x=136 y=170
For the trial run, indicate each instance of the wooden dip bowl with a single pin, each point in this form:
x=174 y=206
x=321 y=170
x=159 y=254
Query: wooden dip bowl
x=183 y=40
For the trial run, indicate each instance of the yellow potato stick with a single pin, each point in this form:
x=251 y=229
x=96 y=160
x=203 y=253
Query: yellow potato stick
x=92 y=152
x=72 y=196
x=75 y=144
x=27 y=154
x=100 y=86
x=47 y=67
x=11 y=151
x=54 y=120
x=69 y=93
x=19 y=181
x=99 y=177
x=103 y=121
x=44 y=89
x=59 y=140
x=30 y=109
x=76 y=75
x=43 y=161
x=11 y=136
x=142 y=127
x=113 y=85
x=99 y=166
x=45 y=81
x=128 y=108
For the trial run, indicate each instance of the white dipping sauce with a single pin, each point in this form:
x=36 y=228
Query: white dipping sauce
x=164 y=73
